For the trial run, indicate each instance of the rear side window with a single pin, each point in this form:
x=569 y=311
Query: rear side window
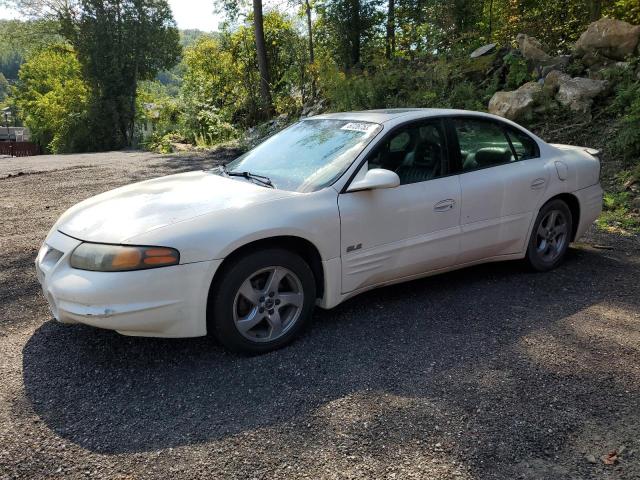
x=482 y=144
x=524 y=146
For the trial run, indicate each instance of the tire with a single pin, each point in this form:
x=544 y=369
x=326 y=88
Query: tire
x=242 y=314
x=550 y=236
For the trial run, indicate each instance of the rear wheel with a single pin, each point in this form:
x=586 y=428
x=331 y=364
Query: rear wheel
x=550 y=237
x=262 y=301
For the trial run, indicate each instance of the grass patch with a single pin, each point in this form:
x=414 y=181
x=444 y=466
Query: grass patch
x=618 y=215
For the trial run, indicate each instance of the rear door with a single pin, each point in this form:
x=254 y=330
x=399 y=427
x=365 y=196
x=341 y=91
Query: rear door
x=502 y=180
x=392 y=233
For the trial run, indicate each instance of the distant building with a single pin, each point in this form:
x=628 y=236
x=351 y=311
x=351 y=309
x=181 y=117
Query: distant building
x=147 y=125
x=14 y=134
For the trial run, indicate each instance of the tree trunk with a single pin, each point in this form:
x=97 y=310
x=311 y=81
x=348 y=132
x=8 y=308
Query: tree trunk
x=354 y=33
x=311 y=54
x=132 y=112
x=310 y=30
x=490 y=19
x=595 y=10
x=261 y=50
x=391 y=29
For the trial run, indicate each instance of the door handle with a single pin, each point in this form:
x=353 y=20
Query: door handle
x=538 y=183
x=444 y=205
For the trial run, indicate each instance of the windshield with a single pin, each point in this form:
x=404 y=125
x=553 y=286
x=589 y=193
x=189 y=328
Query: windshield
x=308 y=155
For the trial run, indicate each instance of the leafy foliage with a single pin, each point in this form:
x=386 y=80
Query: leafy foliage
x=518 y=71
x=220 y=84
x=626 y=105
x=53 y=98
x=4 y=88
x=120 y=43
x=129 y=49
x=18 y=39
x=617 y=213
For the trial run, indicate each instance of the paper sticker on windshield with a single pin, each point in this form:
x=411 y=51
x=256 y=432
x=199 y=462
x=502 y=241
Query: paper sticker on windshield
x=359 y=127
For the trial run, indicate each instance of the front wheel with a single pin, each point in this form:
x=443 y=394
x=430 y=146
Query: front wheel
x=262 y=301
x=550 y=237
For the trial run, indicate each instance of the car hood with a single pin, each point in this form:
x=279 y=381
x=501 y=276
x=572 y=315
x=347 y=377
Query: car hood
x=117 y=215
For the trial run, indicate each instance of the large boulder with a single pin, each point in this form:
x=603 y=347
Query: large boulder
x=515 y=104
x=531 y=49
x=553 y=80
x=609 y=37
x=561 y=62
x=578 y=93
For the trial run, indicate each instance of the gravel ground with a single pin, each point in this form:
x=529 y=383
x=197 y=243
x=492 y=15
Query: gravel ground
x=488 y=372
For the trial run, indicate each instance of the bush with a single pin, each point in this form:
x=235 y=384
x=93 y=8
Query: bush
x=162 y=143
x=53 y=99
x=518 y=71
x=208 y=127
x=617 y=213
x=626 y=105
x=402 y=84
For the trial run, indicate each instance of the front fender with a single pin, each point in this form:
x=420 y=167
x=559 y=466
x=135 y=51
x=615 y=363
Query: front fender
x=311 y=216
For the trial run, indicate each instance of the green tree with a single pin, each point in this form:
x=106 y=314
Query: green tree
x=4 y=88
x=119 y=43
x=19 y=38
x=53 y=98
x=261 y=56
x=210 y=91
x=221 y=75
x=347 y=25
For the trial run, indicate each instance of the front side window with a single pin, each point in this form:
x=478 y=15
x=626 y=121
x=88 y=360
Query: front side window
x=482 y=144
x=416 y=153
x=308 y=155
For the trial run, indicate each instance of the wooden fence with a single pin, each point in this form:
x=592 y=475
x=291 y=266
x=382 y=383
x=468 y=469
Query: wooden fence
x=19 y=149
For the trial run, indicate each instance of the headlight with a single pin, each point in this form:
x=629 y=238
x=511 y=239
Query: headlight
x=99 y=257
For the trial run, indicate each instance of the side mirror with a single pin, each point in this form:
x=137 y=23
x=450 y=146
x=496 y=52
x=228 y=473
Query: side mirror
x=374 y=179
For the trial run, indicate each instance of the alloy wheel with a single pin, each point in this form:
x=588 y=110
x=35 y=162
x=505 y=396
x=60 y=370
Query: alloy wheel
x=552 y=235
x=268 y=303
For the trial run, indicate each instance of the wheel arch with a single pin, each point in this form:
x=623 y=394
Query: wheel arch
x=574 y=207
x=299 y=245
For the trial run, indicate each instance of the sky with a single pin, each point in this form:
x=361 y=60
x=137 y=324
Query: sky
x=195 y=14
x=188 y=13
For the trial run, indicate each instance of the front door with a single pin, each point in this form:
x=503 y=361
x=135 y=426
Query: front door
x=389 y=234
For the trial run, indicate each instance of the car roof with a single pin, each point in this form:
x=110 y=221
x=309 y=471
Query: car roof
x=395 y=116
x=384 y=115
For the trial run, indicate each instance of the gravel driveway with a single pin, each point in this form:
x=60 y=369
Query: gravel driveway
x=488 y=372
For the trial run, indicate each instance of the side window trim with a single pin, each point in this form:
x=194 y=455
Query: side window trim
x=505 y=132
x=441 y=120
x=455 y=158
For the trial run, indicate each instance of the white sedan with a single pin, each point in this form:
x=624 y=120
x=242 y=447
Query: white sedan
x=330 y=207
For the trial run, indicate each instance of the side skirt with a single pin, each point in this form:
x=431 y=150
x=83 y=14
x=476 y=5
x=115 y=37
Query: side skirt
x=332 y=297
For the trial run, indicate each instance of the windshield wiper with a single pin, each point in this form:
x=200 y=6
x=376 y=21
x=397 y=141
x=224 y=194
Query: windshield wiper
x=266 y=181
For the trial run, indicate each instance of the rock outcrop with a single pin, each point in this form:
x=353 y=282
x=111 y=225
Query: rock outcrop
x=605 y=45
x=610 y=38
x=553 y=81
x=578 y=93
x=531 y=49
x=516 y=104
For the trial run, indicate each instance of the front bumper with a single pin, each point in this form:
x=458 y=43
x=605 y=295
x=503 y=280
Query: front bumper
x=161 y=302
